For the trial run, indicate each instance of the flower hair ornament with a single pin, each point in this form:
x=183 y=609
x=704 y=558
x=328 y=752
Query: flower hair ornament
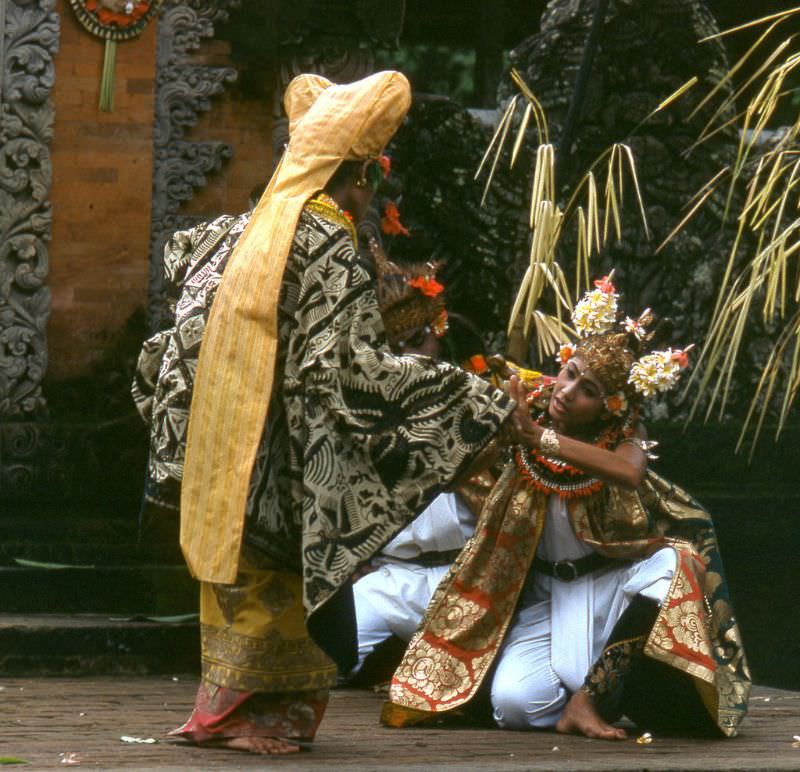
x=616 y=350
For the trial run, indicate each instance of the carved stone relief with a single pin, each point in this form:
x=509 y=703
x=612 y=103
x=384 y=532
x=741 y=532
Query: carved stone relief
x=646 y=52
x=29 y=32
x=183 y=91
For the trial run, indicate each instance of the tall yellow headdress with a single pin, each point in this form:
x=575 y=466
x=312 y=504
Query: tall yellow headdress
x=328 y=124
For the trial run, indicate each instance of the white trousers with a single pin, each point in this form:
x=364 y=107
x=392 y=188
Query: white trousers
x=559 y=630
x=392 y=600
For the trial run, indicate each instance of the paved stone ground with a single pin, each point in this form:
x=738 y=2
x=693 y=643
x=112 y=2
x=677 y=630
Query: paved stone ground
x=44 y=720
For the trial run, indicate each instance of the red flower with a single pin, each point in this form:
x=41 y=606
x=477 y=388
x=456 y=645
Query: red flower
x=385 y=164
x=605 y=285
x=616 y=404
x=427 y=285
x=565 y=353
x=476 y=364
x=390 y=222
x=682 y=356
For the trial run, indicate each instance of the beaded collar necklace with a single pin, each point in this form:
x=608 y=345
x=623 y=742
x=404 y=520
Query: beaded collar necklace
x=552 y=475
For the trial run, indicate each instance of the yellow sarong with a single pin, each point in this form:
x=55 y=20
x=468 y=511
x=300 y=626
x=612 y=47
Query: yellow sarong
x=254 y=636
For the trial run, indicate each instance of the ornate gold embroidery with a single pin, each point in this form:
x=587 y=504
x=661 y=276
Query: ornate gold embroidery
x=688 y=627
x=470 y=611
x=268 y=664
x=253 y=635
x=455 y=616
x=695 y=631
x=435 y=673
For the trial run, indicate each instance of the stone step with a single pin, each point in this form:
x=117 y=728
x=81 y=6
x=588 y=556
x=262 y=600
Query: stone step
x=96 y=644
x=159 y=590
x=101 y=535
x=89 y=552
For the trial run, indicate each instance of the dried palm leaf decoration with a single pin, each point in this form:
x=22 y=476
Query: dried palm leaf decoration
x=767 y=280
x=593 y=209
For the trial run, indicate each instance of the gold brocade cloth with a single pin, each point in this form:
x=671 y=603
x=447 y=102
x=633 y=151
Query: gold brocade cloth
x=468 y=616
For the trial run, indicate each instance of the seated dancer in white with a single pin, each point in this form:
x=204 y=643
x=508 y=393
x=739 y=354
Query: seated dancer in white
x=593 y=588
x=391 y=599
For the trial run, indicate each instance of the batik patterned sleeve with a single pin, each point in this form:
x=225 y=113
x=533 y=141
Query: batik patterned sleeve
x=374 y=437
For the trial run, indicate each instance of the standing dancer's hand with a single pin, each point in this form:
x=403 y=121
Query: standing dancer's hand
x=524 y=430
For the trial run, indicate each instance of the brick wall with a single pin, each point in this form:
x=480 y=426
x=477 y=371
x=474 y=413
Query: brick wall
x=102 y=177
x=102 y=182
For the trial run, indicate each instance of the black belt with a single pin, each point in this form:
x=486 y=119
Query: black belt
x=570 y=570
x=431 y=559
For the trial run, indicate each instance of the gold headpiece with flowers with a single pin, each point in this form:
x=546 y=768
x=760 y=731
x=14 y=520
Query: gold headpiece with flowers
x=409 y=296
x=607 y=346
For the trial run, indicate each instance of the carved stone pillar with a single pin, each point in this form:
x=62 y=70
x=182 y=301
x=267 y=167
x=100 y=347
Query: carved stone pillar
x=183 y=91
x=333 y=39
x=29 y=32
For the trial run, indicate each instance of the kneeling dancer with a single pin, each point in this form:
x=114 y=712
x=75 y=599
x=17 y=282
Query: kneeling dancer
x=390 y=600
x=593 y=588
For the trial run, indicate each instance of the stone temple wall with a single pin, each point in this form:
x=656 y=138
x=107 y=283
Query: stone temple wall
x=102 y=177
x=103 y=172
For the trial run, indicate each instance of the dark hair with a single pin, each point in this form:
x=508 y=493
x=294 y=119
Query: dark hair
x=348 y=170
x=255 y=193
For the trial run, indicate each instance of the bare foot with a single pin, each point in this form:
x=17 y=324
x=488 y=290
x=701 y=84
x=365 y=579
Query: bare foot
x=268 y=746
x=580 y=717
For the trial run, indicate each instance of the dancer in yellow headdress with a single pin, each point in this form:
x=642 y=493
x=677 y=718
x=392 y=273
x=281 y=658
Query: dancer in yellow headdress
x=310 y=444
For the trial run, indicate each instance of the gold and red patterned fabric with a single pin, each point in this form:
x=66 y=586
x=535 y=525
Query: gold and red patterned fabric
x=263 y=676
x=459 y=638
x=221 y=713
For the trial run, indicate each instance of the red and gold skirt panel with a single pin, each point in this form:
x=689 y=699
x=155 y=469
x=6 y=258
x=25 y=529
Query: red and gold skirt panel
x=263 y=676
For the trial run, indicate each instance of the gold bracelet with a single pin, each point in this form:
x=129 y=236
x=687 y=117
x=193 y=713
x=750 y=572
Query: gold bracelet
x=548 y=443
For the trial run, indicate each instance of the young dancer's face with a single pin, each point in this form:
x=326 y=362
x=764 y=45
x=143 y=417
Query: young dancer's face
x=577 y=400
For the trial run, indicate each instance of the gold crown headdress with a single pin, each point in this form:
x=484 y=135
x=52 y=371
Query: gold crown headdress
x=409 y=296
x=611 y=349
